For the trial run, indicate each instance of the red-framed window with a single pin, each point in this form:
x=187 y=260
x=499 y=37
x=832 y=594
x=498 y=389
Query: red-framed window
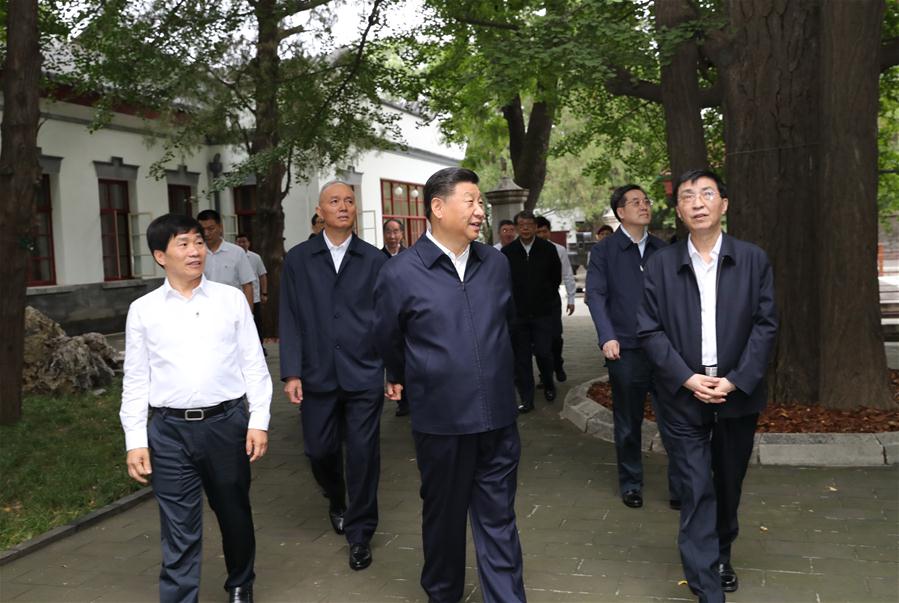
x=114 y=210
x=404 y=201
x=41 y=268
x=245 y=208
x=180 y=201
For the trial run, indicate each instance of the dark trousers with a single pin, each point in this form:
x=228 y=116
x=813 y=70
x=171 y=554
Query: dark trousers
x=711 y=460
x=257 y=318
x=631 y=379
x=189 y=457
x=475 y=475
x=557 y=344
x=330 y=421
x=674 y=479
x=532 y=338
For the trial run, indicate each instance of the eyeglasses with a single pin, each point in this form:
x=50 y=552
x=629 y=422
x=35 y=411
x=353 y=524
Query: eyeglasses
x=707 y=194
x=639 y=203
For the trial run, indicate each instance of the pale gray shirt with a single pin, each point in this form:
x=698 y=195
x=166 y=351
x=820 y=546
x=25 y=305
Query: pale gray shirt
x=258 y=268
x=228 y=265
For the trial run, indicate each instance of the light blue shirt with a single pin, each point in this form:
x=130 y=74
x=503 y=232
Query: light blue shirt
x=641 y=244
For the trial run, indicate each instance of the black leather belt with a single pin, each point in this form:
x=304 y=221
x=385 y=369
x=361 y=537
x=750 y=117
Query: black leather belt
x=198 y=414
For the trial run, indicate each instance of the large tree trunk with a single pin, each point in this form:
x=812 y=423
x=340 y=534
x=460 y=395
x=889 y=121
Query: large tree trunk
x=269 y=221
x=20 y=175
x=853 y=367
x=679 y=84
x=800 y=110
x=771 y=91
x=528 y=147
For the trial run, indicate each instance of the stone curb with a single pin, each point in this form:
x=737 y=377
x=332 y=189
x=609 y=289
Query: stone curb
x=801 y=449
x=58 y=533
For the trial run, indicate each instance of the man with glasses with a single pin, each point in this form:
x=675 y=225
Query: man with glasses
x=708 y=324
x=614 y=292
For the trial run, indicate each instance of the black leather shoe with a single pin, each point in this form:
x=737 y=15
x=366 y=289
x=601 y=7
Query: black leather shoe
x=633 y=499
x=675 y=504
x=241 y=594
x=360 y=556
x=729 y=582
x=549 y=393
x=561 y=376
x=525 y=408
x=336 y=517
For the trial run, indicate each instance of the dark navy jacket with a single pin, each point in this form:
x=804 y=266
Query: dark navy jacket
x=387 y=253
x=536 y=277
x=615 y=287
x=326 y=318
x=446 y=340
x=670 y=327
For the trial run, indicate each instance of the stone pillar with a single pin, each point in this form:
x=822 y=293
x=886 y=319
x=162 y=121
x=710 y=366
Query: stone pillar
x=506 y=200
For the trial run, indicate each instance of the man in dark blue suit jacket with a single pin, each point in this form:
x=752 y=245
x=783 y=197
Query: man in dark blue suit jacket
x=442 y=312
x=614 y=292
x=708 y=324
x=330 y=365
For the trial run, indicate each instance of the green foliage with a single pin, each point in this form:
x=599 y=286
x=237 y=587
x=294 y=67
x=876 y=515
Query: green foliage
x=192 y=67
x=64 y=459
x=888 y=127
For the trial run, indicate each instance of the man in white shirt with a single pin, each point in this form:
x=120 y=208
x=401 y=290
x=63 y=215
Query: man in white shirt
x=260 y=283
x=544 y=228
x=210 y=410
x=225 y=262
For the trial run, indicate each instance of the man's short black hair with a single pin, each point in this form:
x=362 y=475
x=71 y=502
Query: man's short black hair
x=604 y=228
x=618 y=196
x=315 y=219
x=524 y=214
x=389 y=220
x=209 y=214
x=243 y=235
x=164 y=228
x=543 y=222
x=442 y=183
x=694 y=175
x=505 y=222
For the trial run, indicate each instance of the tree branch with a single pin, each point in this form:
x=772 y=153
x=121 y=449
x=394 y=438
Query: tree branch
x=889 y=54
x=515 y=121
x=286 y=32
x=300 y=6
x=624 y=84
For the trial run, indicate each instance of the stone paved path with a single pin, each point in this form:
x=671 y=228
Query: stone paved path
x=808 y=535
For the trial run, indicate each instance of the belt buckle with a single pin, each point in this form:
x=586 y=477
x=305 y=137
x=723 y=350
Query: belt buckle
x=194 y=414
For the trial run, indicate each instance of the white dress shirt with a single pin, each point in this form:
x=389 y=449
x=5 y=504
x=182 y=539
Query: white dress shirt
x=459 y=261
x=707 y=280
x=229 y=265
x=527 y=248
x=337 y=251
x=191 y=353
x=567 y=273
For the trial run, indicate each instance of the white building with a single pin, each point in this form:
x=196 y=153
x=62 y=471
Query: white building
x=90 y=258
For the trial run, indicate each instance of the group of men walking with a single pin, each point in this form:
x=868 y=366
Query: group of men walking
x=446 y=328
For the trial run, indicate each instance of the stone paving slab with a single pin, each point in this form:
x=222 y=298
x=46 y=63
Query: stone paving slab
x=807 y=533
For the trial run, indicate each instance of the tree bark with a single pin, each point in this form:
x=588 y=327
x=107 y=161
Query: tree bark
x=269 y=220
x=771 y=102
x=528 y=147
x=800 y=106
x=20 y=175
x=848 y=289
x=679 y=85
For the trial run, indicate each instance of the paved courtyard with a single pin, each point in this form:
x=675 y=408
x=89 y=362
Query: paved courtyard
x=808 y=535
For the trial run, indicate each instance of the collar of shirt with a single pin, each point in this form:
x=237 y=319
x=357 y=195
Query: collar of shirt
x=641 y=244
x=714 y=253
x=459 y=261
x=170 y=291
x=527 y=248
x=337 y=251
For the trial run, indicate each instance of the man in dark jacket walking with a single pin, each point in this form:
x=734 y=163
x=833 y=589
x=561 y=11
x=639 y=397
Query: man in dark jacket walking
x=708 y=324
x=441 y=323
